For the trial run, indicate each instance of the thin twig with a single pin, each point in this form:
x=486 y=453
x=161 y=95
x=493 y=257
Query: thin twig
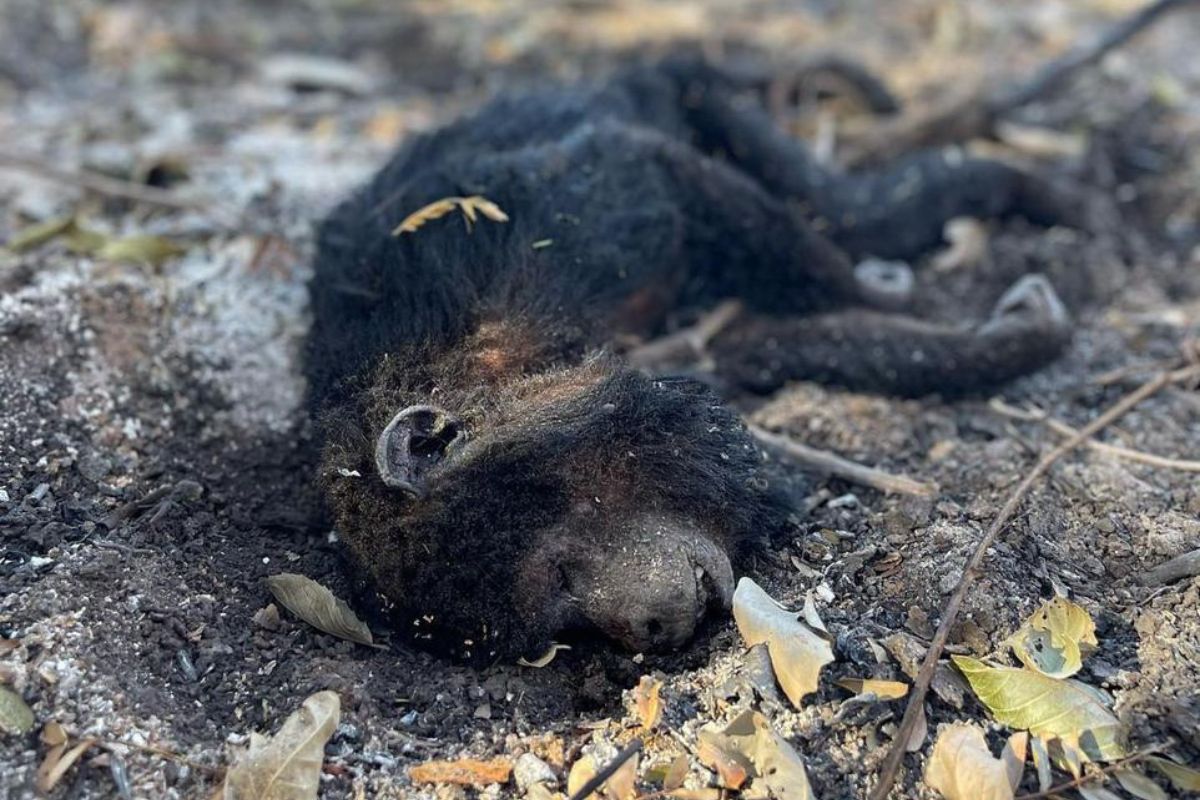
x=94 y=182
x=891 y=764
x=1117 y=451
x=973 y=115
x=824 y=461
x=1075 y=783
x=688 y=343
x=600 y=777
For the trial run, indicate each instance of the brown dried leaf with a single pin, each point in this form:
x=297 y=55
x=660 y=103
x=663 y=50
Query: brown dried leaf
x=15 y=715
x=962 y=767
x=769 y=761
x=287 y=766
x=676 y=773
x=797 y=651
x=435 y=210
x=732 y=769
x=57 y=763
x=316 y=605
x=545 y=658
x=646 y=701
x=53 y=734
x=469 y=206
x=464 y=772
x=581 y=772
x=884 y=690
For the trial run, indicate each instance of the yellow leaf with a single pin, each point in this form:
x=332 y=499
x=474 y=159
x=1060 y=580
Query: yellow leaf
x=884 y=690
x=1051 y=707
x=962 y=767
x=40 y=233
x=646 y=701
x=469 y=206
x=581 y=772
x=1055 y=638
x=141 y=249
x=287 y=766
x=427 y=213
x=316 y=605
x=797 y=651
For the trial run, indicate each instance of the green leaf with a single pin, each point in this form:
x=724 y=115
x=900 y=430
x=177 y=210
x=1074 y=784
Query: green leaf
x=316 y=605
x=15 y=715
x=1055 y=639
x=36 y=235
x=797 y=651
x=1045 y=706
x=1185 y=779
x=1139 y=785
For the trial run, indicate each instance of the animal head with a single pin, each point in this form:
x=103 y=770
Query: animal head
x=499 y=511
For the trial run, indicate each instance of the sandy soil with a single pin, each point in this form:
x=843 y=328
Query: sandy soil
x=154 y=464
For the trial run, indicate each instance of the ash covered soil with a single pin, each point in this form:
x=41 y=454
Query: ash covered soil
x=155 y=465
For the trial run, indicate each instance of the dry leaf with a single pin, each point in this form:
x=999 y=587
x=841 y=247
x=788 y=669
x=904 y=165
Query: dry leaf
x=1055 y=639
x=1067 y=709
x=1185 y=779
x=316 y=605
x=469 y=206
x=57 y=763
x=1041 y=762
x=676 y=773
x=544 y=659
x=968 y=240
x=582 y=771
x=1139 y=785
x=797 y=652
x=646 y=701
x=287 y=766
x=435 y=210
x=15 y=715
x=771 y=762
x=1014 y=755
x=920 y=732
x=962 y=767
x=884 y=690
x=732 y=768
x=464 y=772
x=53 y=734
x=1096 y=793
x=141 y=249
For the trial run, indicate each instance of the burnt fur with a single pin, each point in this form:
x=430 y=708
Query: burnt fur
x=629 y=201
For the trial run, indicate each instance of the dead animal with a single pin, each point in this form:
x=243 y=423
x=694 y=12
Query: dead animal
x=500 y=471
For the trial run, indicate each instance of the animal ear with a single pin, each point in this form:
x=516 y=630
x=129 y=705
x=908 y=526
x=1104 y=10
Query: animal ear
x=413 y=444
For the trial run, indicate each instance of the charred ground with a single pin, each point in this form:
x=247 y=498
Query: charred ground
x=119 y=381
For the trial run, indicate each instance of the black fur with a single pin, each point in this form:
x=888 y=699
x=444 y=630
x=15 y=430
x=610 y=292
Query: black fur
x=658 y=191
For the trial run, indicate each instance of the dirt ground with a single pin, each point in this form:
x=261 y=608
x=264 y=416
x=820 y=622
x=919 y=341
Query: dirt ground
x=155 y=465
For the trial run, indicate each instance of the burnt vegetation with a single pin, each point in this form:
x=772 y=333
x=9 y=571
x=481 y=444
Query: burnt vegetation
x=495 y=465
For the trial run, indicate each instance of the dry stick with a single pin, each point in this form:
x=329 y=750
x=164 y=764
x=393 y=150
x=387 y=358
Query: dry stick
x=600 y=777
x=824 y=461
x=1117 y=451
x=688 y=343
x=974 y=115
x=1075 y=783
x=891 y=764
x=101 y=184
